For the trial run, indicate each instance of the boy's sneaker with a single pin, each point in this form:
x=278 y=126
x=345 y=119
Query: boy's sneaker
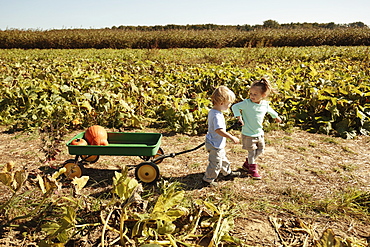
x=233 y=174
x=211 y=184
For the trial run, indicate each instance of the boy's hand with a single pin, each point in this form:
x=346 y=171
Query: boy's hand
x=235 y=139
x=223 y=133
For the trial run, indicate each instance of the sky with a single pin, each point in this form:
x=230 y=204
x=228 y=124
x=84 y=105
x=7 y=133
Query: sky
x=66 y=14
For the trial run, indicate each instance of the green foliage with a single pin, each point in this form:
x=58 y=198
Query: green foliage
x=61 y=230
x=322 y=89
x=123 y=186
x=330 y=101
x=160 y=221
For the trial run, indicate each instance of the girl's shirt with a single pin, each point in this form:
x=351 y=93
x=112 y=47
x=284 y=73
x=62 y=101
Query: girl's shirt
x=216 y=120
x=253 y=115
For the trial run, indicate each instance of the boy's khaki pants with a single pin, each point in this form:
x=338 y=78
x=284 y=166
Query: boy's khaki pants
x=218 y=163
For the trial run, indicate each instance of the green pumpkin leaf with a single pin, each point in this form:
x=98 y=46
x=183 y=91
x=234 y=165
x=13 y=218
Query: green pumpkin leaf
x=50 y=227
x=124 y=186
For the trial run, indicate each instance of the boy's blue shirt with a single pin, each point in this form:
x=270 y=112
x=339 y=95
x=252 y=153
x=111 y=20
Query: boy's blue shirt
x=216 y=120
x=253 y=115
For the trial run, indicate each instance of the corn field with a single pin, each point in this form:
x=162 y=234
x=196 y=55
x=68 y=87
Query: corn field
x=122 y=39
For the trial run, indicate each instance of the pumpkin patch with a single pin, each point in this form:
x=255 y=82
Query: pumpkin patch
x=321 y=89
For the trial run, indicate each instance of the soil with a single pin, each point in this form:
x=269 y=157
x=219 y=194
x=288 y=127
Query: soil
x=298 y=169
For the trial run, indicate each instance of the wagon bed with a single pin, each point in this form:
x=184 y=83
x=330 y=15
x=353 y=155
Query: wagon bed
x=120 y=144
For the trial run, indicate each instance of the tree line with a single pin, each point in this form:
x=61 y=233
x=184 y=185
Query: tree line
x=266 y=24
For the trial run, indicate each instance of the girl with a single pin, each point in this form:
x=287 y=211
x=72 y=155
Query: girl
x=250 y=113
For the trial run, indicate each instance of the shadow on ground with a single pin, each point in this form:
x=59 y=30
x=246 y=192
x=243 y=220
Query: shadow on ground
x=194 y=181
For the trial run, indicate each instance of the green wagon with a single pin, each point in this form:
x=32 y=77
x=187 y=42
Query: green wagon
x=144 y=145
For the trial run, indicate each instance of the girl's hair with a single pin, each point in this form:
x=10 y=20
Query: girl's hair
x=222 y=94
x=265 y=86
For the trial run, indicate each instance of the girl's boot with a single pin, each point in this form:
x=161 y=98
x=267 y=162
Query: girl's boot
x=253 y=171
x=246 y=165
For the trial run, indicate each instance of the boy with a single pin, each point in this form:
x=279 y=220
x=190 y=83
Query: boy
x=216 y=136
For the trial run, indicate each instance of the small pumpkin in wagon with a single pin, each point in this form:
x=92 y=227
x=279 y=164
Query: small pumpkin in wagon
x=96 y=135
x=79 y=142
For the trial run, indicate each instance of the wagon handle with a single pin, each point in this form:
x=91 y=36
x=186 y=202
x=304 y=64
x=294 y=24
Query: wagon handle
x=236 y=124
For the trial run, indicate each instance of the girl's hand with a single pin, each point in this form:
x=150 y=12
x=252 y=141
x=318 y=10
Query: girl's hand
x=278 y=120
x=240 y=119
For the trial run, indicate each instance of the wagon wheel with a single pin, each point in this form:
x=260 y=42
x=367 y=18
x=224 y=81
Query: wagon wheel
x=73 y=170
x=90 y=158
x=159 y=153
x=147 y=172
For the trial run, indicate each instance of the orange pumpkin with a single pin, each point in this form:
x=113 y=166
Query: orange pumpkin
x=96 y=135
x=79 y=142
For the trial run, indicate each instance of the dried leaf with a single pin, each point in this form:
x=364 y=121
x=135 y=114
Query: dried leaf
x=79 y=183
x=59 y=172
x=20 y=177
x=6 y=178
x=41 y=183
x=328 y=239
x=9 y=166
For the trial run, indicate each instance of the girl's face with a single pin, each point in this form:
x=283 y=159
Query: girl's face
x=256 y=95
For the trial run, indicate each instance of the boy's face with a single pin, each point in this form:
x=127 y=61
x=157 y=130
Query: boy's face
x=225 y=105
x=256 y=95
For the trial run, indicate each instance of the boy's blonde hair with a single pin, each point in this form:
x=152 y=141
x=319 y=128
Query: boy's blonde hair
x=222 y=94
